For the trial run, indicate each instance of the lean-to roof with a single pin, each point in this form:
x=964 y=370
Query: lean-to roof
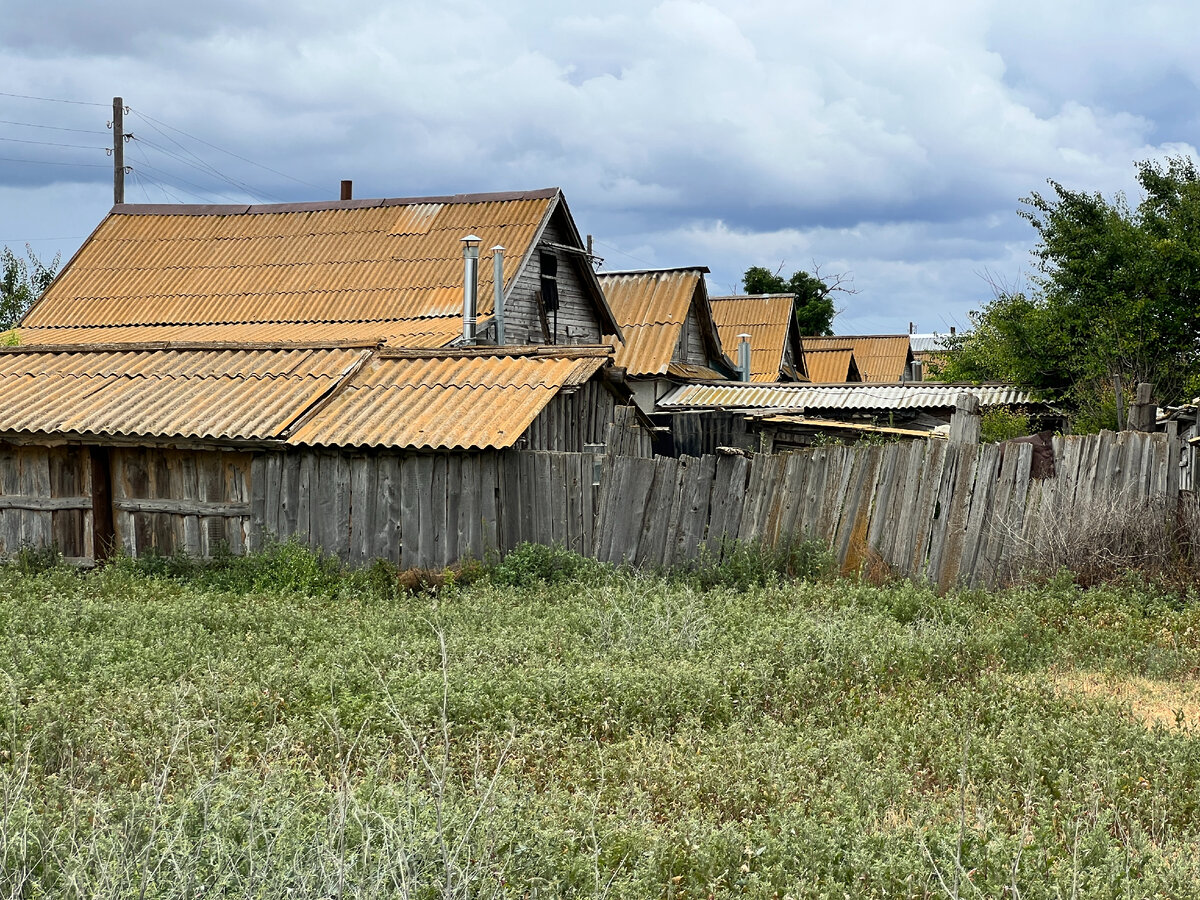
x=441 y=402
x=768 y=319
x=799 y=397
x=331 y=396
x=373 y=269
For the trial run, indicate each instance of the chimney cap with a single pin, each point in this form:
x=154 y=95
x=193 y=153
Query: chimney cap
x=471 y=239
x=498 y=247
x=744 y=335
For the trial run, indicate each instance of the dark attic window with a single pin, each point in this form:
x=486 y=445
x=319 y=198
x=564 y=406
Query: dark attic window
x=549 y=280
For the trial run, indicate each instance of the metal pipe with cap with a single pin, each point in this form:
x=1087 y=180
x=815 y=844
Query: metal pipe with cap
x=470 y=286
x=744 y=356
x=498 y=287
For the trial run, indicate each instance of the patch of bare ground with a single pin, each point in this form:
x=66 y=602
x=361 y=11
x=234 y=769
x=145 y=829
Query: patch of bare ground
x=1172 y=704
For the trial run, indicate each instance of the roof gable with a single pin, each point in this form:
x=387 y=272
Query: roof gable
x=652 y=307
x=769 y=321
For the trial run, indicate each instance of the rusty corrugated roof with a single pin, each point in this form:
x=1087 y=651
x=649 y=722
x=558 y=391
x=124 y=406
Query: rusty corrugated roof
x=767 y=319
x=378 y=266
x=832 y=365
x=214 y=393
x=881 y=358
x=651 y=307
x=799 y=397
x=430 y=332
x=445 y=402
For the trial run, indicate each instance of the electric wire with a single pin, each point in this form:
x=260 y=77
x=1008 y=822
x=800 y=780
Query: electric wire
x=644 y=262
x=223 y=150
x=202 y=167
x=172 y=177
x=52 y=127
x=52 y=99
x=52 y=144
x=46 y=162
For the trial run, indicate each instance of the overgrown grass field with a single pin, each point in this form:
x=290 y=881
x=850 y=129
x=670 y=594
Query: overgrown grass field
x=554 y=728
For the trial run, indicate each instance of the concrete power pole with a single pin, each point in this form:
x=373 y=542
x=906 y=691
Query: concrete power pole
x=118 y=127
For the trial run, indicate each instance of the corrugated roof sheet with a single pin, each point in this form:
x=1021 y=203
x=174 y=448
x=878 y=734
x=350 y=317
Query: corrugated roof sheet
x=469 y=402
x=880 y=357
x=331 y=397
x=799 y=397
x=832 y=365
x=218 y=394
x=766 y=318
x=928 y=343
x=650 y=307
x=380 y=261
x=418 y=333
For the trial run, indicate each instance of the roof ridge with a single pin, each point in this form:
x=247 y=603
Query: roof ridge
x=236 y=209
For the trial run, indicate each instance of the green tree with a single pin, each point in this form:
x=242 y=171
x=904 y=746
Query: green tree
x=814 y=297
x=22 y=281
x=1116 y=292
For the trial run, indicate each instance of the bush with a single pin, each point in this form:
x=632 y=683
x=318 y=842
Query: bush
x=531 y=564
x=999 y=424
x=746 y=564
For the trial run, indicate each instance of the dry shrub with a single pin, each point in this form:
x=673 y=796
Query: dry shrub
x=1103 y=539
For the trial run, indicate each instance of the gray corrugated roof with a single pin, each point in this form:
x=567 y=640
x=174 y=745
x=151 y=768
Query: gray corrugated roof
x=913 y=395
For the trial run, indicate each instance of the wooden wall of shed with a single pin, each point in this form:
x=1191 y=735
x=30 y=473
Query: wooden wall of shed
x=577 y=321
x=572 y=419
x=46 y=499
x=188 y=501
x=423 y=510
x=698 y=433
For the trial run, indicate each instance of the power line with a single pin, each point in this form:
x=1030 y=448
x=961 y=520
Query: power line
x=51 y=144
x=45 y=162
x=644 y=262
x=52 y=127
x=51 y=99
x=201 y=166
x=151 y=119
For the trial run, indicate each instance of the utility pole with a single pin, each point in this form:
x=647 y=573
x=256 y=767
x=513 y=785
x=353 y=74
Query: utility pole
x=118 y=127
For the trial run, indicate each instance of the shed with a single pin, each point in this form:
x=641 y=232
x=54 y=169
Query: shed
x=188 y=448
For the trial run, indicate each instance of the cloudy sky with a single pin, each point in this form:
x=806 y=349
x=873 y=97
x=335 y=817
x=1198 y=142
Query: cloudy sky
x=888 y=142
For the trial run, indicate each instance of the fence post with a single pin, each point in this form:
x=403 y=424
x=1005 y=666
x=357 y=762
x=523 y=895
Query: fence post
x=1144 y=412
x=965 y=424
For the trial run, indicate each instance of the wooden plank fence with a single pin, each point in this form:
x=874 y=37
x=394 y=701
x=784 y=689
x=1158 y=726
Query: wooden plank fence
x=424 y=510
x=948 y=513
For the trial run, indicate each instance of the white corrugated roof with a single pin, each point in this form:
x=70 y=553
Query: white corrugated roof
x=912 y=395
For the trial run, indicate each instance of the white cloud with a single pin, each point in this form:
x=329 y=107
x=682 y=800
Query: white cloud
x=888 y=139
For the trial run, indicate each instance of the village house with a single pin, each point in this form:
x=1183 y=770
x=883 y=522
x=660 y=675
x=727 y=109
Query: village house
x=204 y=376
x=667 y=323
x=880 y=359
x=770 y=322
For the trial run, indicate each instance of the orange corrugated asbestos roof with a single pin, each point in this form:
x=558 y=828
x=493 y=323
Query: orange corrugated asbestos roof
x=651 y=308
x=880 y=358
x=766 y=318
x=828 y=366
x=217 y=394
x=368 y=264
x=333 y=397
x=444 y=403
x=419 y=333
